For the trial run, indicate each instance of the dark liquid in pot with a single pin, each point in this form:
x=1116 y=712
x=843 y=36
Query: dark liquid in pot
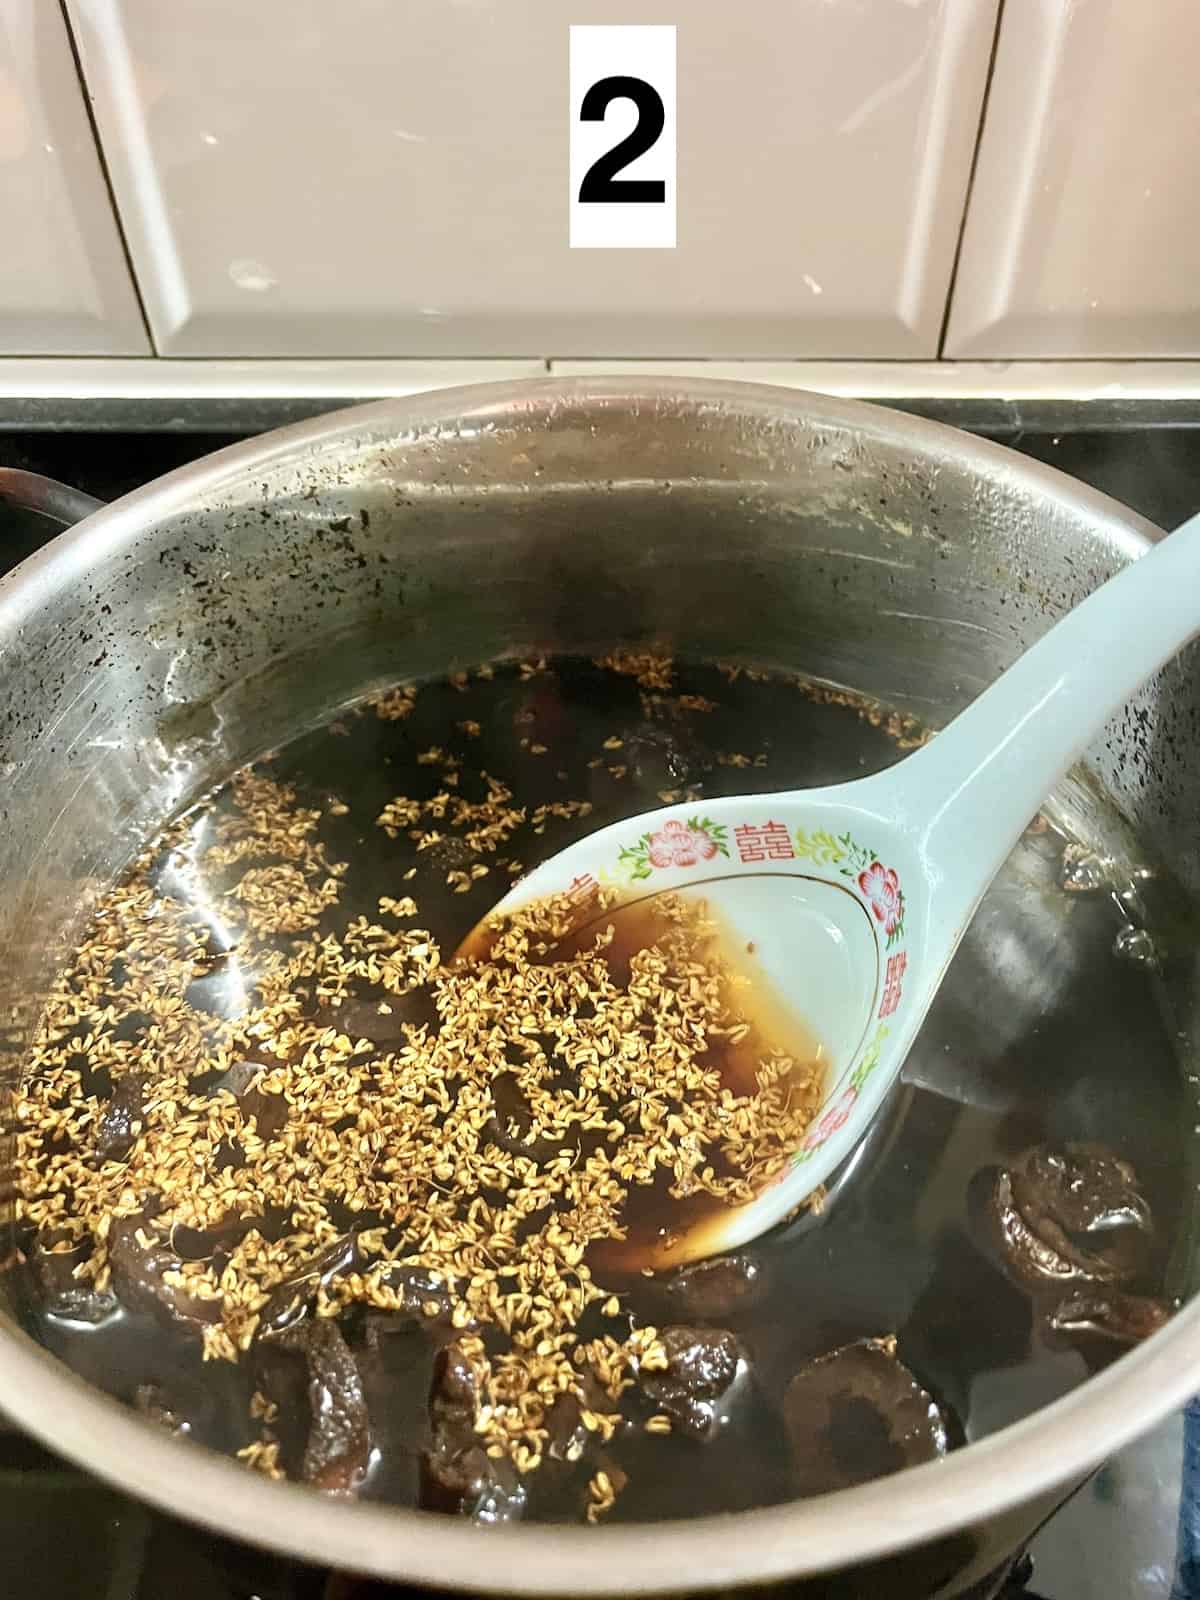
x=1042 y=1034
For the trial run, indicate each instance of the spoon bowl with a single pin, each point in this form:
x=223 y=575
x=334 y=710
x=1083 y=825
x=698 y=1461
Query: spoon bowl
x=844 y=905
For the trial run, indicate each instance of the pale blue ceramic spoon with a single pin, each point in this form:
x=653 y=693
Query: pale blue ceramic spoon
x=854 y=897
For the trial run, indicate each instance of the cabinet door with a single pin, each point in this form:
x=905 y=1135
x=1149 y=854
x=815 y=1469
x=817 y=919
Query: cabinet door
x=1083 y=234
x=64 y=283
x=389 y=177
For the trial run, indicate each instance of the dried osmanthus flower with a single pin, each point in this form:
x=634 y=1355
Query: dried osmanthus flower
x=483 y=1149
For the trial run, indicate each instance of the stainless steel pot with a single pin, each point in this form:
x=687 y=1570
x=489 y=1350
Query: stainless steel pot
x=212 y=614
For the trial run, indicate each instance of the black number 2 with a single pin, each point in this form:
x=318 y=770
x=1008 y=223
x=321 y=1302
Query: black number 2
x=600 y=181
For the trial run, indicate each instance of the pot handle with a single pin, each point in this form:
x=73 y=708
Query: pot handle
x=30 y=491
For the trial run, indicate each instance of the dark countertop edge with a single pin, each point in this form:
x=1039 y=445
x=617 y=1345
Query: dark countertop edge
x=254 y=414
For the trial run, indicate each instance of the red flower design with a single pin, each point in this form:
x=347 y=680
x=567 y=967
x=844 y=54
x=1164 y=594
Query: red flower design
x=834 y=1118
x=881 y=890
x=677 y=845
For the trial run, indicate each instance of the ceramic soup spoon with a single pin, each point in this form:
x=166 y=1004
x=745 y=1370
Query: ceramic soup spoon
x=854 y=897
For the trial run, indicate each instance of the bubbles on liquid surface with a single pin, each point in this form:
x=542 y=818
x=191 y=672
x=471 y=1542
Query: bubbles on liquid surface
x=1083 y=871
x=1136 y=945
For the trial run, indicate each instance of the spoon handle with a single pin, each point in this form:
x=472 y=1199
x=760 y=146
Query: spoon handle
x=974 y=788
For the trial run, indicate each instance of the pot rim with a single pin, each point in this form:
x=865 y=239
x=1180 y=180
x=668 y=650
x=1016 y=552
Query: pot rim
x=1054 y=1446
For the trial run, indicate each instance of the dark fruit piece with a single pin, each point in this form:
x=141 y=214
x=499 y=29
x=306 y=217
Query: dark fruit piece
x=457 y=1474
x=568 y=1438
x=718 y=1289
x=338 y=1448
x=702 y=1363
x=857 y=1414
x=1083 y=1189
x=1069 y=1216
x=139 y=1257
x=362 y=1019
x=291 y=1302
x=666 y=756
x=1123 y=1319
x=121 y=1120
x=58 y=1292
x=269 y=1111
x=509 y=1127
x=423 y=1299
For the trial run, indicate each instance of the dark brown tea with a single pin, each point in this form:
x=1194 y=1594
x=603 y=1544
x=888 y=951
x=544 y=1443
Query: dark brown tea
x=226 y=1126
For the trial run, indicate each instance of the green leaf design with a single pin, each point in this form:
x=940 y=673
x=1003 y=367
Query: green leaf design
x=870 y=1058
x=849 y=857
x=855 y=858
x=820 y=847
x=716 y=831
x=866 y=1066
x=634 y=858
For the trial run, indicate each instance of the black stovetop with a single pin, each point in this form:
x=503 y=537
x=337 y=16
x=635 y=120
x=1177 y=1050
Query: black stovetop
x=64 y=1536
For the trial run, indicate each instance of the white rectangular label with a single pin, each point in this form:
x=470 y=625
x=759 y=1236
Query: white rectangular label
x=622 y=138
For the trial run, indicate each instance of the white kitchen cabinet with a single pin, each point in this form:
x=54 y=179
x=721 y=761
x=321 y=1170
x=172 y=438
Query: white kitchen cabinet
x=371 y=178
x=1083 y=236
x=65 y=287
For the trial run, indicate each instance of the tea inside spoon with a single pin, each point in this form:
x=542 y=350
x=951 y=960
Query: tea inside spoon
x=842 y=906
